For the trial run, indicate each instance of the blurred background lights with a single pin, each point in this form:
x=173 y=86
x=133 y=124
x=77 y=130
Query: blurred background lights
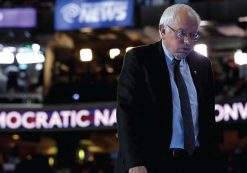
x=7 y=57
x=39 y=66
x=91 y=158
x=240 y=58
x=51 y=161
x=86 y=55
x=81 y=154
x=15 y=137
x=9 y=49
x=36 y=47
x=29 y=58
x=23 y=66
x=202 y=49
x=114 y=52
x=242 y=19
x=76 y=96
x=29 y=157
x=21 y=50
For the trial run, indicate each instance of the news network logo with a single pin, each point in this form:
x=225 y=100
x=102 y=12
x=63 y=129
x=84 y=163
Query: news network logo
x=106 y=11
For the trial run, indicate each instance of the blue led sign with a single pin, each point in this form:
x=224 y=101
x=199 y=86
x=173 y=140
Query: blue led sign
x=77 y=14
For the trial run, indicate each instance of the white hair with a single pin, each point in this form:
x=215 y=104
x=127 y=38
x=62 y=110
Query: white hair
x=170 y=13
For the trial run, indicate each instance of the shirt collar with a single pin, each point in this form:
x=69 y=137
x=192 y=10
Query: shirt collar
x=169 y=57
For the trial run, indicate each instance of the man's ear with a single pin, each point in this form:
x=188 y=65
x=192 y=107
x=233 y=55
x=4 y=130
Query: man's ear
x=161 y=27
x=162 y=30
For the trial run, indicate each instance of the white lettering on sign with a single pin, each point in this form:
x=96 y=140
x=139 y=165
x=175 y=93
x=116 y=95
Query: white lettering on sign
x=28 y=120
x=57 y=119
x=106 y=11
x=227 y=112
x=106 y=117
x=70 y=12
x=41 y=120
x=14 y=120
x=81 y=118
x=65 y=116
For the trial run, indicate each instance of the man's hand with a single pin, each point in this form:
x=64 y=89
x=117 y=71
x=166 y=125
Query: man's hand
x=138 y=169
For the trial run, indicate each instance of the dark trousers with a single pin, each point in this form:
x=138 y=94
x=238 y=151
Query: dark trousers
x=197 y=163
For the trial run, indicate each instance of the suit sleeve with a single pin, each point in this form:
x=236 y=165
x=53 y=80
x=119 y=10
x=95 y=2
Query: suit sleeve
x=127 y=111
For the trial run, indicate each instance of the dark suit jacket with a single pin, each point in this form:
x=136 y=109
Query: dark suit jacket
x=144 y=110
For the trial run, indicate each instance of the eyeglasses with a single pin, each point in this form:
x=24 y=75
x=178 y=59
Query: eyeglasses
x=194 y=36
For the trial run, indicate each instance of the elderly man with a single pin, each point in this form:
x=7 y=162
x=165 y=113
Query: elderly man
x=165 y=110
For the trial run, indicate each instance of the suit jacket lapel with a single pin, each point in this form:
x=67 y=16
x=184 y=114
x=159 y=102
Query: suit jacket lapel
x=161 y=74
x=193 y=68
x=161 y=86
x=195 y=73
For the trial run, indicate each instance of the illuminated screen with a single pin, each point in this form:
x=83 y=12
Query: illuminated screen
x=17 y=17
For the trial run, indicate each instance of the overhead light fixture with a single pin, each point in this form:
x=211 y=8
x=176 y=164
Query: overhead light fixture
x=114 y=52
x=36 y=47
x=7 y=57
x=29 y=58
x=202 y=49
x=240 y=58
x=9 y=49
x=86 y=55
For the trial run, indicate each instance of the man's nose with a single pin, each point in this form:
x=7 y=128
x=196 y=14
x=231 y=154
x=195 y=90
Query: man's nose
x=187 y=40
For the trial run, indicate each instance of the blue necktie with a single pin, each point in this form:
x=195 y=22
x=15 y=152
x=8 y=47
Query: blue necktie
x=189 y=137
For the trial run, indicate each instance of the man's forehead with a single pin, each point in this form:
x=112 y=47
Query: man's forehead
x=183 y=15
x=185 y=19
